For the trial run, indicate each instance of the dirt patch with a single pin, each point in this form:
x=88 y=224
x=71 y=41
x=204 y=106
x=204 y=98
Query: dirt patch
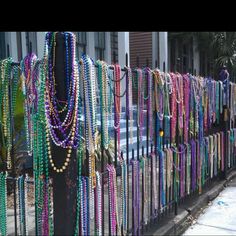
x=30 y=196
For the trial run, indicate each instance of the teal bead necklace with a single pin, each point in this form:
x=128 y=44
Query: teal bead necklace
x=5 y=80
x=104 y=108
x=3 y=204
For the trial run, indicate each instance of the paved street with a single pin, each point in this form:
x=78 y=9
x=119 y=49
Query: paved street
x=219 y=218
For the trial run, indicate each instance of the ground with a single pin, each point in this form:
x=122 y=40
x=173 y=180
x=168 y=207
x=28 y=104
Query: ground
x=219 y=218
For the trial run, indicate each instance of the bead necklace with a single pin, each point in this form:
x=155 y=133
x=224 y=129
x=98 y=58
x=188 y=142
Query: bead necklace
x=211 y=155
x=15 y=83
x=228 y=147
x=162 y=185
x=176 y=175
x=117 y=96
x=169 y=164
x=159 y=109
x=104 y=108
x=85 y=224
x=198 y=179
x=158 y=91
x=123 y=196
x=204 y=164
x=193 y=165
x=140 y=115
x=222 y=149
x=231 y=108
x=167 y=92
x=173 y=108
x=129 y=101
x=29 y=96
x=207 y=151
x=144 y=168
x=154 y=186
x=217 y=102
x=221 y=88
x=89 y=94
x=5 y=84
x=3 y=203
x=135 y=195
x=186 y=85
x=52 y=115
x=80 y=153
x=188 y=175
x=218 y=151
x=149 y=98
x=192 y=104
x=23 y=205
x=51 y=112
x=112 y=199
x=182 y=171
x=179 y=90
x=41 y=173
x=98 y=197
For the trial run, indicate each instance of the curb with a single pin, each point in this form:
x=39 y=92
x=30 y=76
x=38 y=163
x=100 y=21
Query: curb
x=182 y=221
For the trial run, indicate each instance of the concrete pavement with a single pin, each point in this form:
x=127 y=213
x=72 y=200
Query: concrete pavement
x=219 y=218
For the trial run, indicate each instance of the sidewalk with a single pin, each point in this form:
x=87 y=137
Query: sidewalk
x=192 y=207
x=219 y=218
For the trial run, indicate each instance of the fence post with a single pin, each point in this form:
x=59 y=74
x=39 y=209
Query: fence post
x=64 y=184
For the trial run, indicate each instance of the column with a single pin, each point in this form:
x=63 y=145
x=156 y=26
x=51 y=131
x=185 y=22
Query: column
x=163 y=46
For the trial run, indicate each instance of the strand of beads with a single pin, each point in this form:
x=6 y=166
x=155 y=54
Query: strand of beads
x=169 y=170
x=135 y=196
x=188 y=169
x=124 y=197
x=129 y=101
x=80 y=153
x=186 y=94
x=140 y=106
x=173 y=108
x=112 y=203
x=117 y=97
x=159 y=109
x=144 y=167
x=147 y=72
x=56 y=129
x=15 y=80
x=23 y=203
x=85 y=230
x=44 y=222
x=98 y=205
x=154 y=187
x=3 y=203
x=6 y=93
x=179 y=89
x=102 y=82
x=29 y=96
x=193 y=164
x=89 y=95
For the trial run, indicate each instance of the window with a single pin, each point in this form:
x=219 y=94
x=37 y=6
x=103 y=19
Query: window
x=31 y=42
x=2 y=46
x=99 y=45
x=185 y=59
x=114 y=46
x=81 y=43
x=19 y=45
x=172 y=55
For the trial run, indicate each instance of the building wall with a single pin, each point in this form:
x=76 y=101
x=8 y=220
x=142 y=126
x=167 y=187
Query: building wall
x=141 y=47
x=36 y=41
